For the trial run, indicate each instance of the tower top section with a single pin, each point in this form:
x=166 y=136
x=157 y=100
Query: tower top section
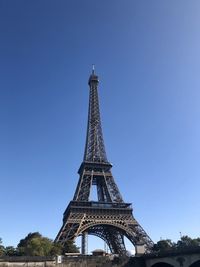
x=94 y=148
x=93 y=79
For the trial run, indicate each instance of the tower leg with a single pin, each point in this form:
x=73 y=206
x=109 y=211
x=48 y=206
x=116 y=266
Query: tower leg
x=84 y=243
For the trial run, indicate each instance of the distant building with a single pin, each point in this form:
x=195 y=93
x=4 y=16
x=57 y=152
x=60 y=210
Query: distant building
x=99 y=252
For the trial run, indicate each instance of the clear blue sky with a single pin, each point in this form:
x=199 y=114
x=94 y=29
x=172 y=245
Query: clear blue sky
x=147 y=55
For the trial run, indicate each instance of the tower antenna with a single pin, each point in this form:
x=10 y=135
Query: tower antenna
x=93 y=68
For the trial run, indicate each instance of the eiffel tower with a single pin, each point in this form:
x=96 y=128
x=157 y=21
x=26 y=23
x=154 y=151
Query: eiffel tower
x=109 y=218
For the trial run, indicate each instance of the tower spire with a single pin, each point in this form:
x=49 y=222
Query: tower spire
x=94 y=147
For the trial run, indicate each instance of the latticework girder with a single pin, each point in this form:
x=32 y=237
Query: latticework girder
x=110 y=221
x=100 y=175
x=113 y=238
x=94 y=148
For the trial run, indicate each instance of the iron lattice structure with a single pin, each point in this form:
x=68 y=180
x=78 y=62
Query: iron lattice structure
x=109 y=217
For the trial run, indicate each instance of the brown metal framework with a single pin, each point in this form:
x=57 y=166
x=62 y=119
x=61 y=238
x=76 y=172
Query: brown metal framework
x=109 y=217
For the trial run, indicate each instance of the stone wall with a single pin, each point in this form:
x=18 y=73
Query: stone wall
x=80 y=261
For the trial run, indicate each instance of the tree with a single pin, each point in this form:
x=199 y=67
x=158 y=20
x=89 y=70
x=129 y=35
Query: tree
x=184 y=242
x=1 y=248
x=57 y=249
x=70 y=247
x=10 y=251
x=34 y=244
x=164 y=245
x=187 y=241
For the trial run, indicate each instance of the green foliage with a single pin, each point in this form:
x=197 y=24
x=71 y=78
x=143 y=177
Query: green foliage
x=34 y=244
x=1 y=248
x=70 y=247
x=164 y=245
x=184 y=243
x=56 y=249
x=187 y=241
x=24 y=242
x=10 y=251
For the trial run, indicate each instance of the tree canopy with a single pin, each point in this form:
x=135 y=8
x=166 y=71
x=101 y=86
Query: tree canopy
x=1 y=248
x=163 y=245
x=70 y=247
x=185 y=242
x=34 y=244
